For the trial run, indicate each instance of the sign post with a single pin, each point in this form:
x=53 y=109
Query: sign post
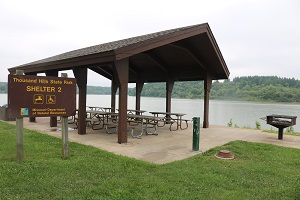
x=64 y=132
x=41 y=97
x=65 y=138
x=20 y=133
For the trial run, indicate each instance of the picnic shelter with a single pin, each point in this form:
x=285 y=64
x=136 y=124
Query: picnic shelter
x=188 y=53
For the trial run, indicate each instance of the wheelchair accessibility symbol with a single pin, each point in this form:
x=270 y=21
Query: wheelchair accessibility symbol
x=50 y=99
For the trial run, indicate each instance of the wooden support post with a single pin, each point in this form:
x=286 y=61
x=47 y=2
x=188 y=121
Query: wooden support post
x=20 y=132
x=169 y=89
x=121 y=69
x=114 y=88
x=207 y=87
x=139 y=88
x=32 y=119
x=81 y=75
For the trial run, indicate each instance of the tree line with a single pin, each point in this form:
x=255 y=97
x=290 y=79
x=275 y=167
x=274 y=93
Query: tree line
x=249 y=88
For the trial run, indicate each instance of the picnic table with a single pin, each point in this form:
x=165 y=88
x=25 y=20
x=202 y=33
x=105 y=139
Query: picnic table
x=136 y=112
x=96 y=117
x=103 y=109
x=146 y=122
x=168 y=118
x=109 y=121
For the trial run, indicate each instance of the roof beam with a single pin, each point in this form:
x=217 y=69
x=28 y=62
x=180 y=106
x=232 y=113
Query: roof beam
x=102 y=72
x=156 y=60
x=132 y=67
x=133 y=72
x=188 y=50
x=152 y=77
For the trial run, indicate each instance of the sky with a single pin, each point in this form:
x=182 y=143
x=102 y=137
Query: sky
x=256 y=37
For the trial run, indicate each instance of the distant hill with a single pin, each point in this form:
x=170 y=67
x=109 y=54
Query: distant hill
x=250 y=88
x=3 y=87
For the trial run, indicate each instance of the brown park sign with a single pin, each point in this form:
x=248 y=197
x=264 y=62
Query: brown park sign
x=41 y=96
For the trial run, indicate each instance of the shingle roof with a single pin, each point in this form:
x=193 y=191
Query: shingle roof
x=186 y=53
x=110 y=46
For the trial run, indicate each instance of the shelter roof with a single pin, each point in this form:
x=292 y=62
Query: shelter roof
x=183 y=54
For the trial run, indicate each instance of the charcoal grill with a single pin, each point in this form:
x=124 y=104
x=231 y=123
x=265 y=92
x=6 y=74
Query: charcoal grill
x=281 y=122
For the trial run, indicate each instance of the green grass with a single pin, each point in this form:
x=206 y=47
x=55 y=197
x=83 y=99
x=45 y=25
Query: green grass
x=284 y=133
x=260 y=171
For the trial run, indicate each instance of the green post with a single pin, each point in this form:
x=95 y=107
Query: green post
x=196 y=133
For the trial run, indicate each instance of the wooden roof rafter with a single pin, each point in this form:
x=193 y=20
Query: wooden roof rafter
x=189 y=51
x=102 y=71
x=157 y=61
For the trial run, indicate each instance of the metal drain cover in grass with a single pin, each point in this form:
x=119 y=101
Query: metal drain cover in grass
x=224 y=154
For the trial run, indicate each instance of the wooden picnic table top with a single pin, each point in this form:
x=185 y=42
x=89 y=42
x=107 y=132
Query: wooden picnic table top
x=99 y=112
x=129 y=111
x=95 y=111
x=149 y=117
x=99 y=108
x=167 y=113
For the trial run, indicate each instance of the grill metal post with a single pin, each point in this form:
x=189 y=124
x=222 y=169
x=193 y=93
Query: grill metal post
x=281 y=122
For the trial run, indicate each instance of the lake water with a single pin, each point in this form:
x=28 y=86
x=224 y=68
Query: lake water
x=243 y=114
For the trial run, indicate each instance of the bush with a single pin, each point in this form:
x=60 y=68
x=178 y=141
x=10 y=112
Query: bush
x=257 y=124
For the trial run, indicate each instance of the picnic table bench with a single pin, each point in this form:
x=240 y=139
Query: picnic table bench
x=168 y=119
x=112 y=125
x=96 y=117
x=146 y=122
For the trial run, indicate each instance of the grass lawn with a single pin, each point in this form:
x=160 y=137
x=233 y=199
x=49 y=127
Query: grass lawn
x=286 y=132
x=260 y=171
